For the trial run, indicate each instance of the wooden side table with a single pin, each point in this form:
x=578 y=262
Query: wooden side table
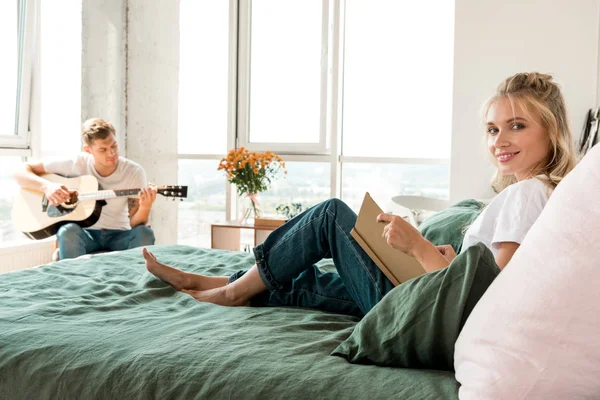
x=226 y=235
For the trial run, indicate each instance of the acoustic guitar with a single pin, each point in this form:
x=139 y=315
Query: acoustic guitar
x=33 y=214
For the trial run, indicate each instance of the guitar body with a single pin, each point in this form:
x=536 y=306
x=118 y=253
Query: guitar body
x=38 y=219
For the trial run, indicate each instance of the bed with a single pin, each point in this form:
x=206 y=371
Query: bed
x=101 y=326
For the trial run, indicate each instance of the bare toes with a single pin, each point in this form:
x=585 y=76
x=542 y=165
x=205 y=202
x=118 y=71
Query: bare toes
x=148 y=256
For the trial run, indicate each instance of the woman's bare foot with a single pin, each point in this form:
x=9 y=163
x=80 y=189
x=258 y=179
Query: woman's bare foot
x=212 y=289
x=237 y=293
x=181 y=280
x=218 y=296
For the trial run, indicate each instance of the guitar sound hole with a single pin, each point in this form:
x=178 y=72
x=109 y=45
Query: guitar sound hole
x=58 y=211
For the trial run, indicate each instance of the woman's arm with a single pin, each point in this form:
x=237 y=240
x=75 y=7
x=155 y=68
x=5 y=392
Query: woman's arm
x=432 y=262
x=505 y=252
x=429 y=256
x=403 y=236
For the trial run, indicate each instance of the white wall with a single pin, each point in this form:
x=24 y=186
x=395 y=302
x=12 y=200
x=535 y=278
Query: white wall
x=494 y=40
x=131 y=78
x=103 y=75
x=152 y=100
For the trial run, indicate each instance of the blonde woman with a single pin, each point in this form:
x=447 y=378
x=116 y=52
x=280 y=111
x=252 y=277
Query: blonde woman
x=530 y=141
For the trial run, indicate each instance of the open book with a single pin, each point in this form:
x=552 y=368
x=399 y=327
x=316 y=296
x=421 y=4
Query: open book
x=396 y=265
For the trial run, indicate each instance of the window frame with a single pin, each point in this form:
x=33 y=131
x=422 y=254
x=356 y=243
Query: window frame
x=19 y=143
x=244 y=77
x=331 y=106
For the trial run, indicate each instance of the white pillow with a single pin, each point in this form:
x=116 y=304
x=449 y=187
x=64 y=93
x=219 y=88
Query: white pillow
x=535 y=333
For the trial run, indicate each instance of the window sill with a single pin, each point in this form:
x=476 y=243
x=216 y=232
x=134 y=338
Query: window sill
x=22 y=255
x=14 y=245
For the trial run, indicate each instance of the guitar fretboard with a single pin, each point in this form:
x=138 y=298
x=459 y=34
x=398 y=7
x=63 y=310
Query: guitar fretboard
x=108 y=194
x=126 y=192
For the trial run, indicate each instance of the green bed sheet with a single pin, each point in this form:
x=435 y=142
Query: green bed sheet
x=102 y=327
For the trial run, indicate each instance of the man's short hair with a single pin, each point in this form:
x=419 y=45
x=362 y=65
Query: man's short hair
x=96 y=128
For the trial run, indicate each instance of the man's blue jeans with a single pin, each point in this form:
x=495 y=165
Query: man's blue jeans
x=286 y=264
x=74 y=241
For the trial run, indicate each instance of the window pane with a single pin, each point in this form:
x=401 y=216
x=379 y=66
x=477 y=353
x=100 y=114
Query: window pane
x=384 y=181
x=285 y=79
x=203 y=76
x=398 y=71
x=61 y=79
x=10 y=64
x=307 y=183
x=8 y=233
x=205 y=203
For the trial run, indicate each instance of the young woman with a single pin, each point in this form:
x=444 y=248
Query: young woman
x=530 y=141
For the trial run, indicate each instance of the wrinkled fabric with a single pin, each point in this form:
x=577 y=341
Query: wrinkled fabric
x=102 y=327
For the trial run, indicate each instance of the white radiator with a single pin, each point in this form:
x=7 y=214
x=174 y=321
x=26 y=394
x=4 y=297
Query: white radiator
x=26 y=255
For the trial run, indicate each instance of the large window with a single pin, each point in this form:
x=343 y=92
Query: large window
x=205 y=204
x=60 y=131
x=355 y=96
x=17 y=30
x=204 y=95
x=9 y=46
x=307 y=183
x=8 y=233
x=16 y=47
x=203 y=73
x=384 y=181
x=283 y=64
x=398 y=66
x=59 y=96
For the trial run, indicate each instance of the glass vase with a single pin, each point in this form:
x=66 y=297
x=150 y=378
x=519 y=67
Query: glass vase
x=251 y=208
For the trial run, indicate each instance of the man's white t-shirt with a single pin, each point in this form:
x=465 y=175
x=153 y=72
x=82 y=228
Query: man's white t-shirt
x=128 y=175
x=509 y=216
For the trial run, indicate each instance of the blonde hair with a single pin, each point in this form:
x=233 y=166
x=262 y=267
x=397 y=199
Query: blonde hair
x=539 y=93
x=96 y=128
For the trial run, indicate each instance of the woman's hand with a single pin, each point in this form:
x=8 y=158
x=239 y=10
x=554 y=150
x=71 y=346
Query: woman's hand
x=403 y=236
x=400 y=234
x=447 y=251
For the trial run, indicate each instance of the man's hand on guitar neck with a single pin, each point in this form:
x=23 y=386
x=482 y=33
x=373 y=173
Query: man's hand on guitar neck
x=56 y=193
x=140 y=212
x=147 y=196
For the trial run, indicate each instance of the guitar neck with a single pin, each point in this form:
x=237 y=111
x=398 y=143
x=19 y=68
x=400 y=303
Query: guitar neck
x=108 y=194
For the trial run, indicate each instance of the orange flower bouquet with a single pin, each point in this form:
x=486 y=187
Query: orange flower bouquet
x=251 y=173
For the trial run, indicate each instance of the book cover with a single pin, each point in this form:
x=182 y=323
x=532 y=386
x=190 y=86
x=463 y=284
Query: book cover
x=368 y=233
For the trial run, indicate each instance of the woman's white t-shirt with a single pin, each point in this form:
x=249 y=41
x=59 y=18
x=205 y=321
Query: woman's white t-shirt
x=509 y=216
x=128 y=175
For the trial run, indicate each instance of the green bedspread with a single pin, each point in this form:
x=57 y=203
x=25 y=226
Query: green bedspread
x=103 y=327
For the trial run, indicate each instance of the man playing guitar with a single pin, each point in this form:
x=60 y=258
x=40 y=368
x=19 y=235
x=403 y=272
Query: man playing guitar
x=122 y=222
